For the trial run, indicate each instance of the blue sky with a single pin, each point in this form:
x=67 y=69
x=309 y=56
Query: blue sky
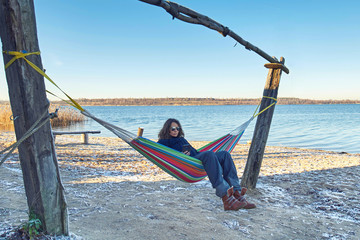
x=128 y=48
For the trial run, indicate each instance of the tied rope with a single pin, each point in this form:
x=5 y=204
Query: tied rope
x=123 y=134
x=45 y=117
x=275 y=101
x=22 y=55
x=242 y=127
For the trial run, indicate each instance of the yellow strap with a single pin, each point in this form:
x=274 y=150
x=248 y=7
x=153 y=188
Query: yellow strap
x=68 y=102
x=18 y=55
x=255 y=115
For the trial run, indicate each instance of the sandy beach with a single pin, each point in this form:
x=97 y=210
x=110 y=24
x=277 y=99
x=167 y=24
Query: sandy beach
x=114 y=193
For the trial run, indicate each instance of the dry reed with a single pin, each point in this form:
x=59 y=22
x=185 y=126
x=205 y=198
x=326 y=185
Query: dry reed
x=5 y=115
x=66 y=117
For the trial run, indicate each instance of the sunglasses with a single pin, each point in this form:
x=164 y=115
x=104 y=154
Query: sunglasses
x=175 y=129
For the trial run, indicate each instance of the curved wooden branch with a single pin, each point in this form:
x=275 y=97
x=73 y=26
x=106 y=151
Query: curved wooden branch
x=190 y=16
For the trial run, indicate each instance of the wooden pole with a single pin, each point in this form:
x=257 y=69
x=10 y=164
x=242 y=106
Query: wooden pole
x=140 y=131
x=43 y=188
x=262 y=128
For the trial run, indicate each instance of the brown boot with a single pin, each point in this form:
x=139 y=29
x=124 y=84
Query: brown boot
x=230 y=202
x=240 y=197
x=243 y=191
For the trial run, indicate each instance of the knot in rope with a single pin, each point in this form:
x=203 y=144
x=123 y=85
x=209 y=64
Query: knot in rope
x=226 y=31
x=275 y=101
x=18 y=55
x=54 y=114
x=23 y=54
x=174 y=10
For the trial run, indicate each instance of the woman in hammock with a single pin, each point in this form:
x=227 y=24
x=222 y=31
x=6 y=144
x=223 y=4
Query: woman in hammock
x=219 y=166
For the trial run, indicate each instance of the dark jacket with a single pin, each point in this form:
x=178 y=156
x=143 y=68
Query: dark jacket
x=177 y=144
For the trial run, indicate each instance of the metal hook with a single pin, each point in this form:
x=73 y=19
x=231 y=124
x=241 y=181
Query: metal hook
x=12 y=118
x=54 y=114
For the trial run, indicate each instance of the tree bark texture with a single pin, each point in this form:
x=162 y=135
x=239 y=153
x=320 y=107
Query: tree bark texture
x=262 y=127
x=43 y=188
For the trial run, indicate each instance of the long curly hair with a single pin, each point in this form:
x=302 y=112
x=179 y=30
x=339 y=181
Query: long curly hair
x=165 y=131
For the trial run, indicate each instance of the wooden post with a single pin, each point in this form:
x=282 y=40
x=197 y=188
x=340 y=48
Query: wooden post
x=262 y=128
x=43 y=187
x=86 y=138
x=140 y=132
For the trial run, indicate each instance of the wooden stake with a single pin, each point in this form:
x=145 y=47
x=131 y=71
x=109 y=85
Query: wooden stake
x=43 y=188
x=140 y=132
x=262 y=128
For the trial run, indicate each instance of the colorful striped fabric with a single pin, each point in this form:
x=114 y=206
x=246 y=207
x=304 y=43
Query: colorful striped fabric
x=182 y=166
x=177 y=164
x=225 y=143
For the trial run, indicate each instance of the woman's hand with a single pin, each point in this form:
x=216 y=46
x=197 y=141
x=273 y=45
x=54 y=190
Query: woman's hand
x=186 y=148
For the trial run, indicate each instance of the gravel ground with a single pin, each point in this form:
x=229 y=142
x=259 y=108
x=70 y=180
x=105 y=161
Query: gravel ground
x=114 y=193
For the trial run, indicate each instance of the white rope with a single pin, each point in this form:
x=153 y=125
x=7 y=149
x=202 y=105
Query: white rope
x=121 y=133
x=36 y=126
x=242 y=127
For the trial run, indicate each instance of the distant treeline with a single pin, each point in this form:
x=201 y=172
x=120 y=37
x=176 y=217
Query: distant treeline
x=200 y=101
x=194 y=101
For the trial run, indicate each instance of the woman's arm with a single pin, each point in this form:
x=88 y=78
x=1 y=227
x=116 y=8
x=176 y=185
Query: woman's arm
x=174 y=143
x=192 y=152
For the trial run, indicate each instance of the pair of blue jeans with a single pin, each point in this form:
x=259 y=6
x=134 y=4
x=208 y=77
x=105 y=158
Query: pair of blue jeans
x=221 y=171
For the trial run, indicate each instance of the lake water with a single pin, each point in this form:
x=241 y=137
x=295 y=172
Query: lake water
x=326 y=127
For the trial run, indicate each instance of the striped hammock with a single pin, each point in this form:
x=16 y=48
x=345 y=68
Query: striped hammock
x=227 y=142
x=173 y=162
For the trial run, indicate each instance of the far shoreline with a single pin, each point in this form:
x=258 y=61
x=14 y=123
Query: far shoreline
x=193 y=101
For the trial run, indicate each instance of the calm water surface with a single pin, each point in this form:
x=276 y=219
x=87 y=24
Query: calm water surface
x=326 y=127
